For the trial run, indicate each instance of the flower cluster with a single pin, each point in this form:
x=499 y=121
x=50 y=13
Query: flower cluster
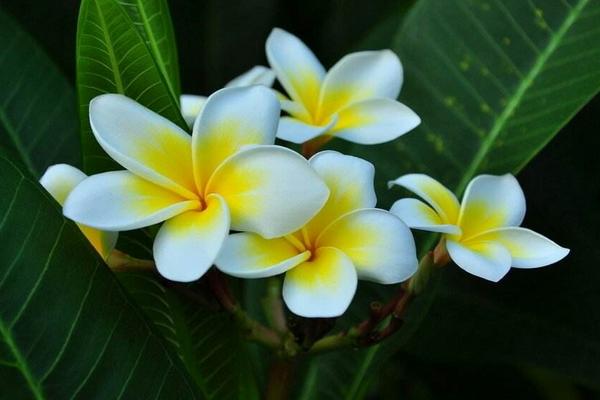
x=228 y=196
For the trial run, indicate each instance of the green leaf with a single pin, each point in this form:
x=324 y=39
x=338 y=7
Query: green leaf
x=67 y=328
x=125 y=48
x=493 y=82
x=38 y=119
x=546 y=317
x=491 y=90
x=153 y=21
x=207 y=339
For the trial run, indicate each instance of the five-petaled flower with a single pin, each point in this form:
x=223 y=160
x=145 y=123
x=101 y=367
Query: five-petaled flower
x=355 y=100
x=192 y=105
x=348 y=239
x=226 y=175
x=482 y=235
x=60 y=180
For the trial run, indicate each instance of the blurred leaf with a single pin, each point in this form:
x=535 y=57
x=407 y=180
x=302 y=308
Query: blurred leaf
x=118 y=54
x=493 y=83
x=38 y=119
x=67 y=329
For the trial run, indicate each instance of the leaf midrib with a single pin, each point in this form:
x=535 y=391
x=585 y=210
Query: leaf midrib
x=162 y=66
x=109 y=50
x=20 y=363
x=518 y=95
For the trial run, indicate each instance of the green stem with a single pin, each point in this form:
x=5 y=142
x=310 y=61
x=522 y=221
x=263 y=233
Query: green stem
x=121 y=262
x=253 y=330
x=273 y=306
x=420 y=279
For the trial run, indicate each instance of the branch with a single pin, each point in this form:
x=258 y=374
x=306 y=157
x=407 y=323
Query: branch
x=367 y=332
x=253 y=330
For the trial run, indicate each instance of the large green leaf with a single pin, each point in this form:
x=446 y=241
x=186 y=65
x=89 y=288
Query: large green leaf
x=546 y=317
x=38 y=119
x=493 y=83
x=207 y=339
x=125 y=48
x=67 y=328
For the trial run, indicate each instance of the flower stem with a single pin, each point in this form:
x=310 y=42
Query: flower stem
x=280 y=379
x=281 y=342
x=273 y=306
x=122 y=262
x=390 y=315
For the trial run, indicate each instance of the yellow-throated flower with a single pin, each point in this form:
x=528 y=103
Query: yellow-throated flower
x=347 y=240
x=482 y=235
x=59 y=180
x=191 y=105
x=355 y=100
x=226 y=175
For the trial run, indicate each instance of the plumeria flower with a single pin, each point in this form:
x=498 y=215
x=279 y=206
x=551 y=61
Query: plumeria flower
x=191 y=105
x=347 y=240
x=482 y=235
x=226 y=175
x=355 y=100
x=60 y=180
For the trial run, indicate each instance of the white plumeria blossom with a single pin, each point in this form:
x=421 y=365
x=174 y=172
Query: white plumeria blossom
x=227 y=175
x=192 y=105
x=347 y=240
x=60 y=180
x=483 y=234
x=355 y=100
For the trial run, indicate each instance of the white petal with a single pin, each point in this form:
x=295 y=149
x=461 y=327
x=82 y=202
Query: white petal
x=487 y=260
x=143 y=142
x=191 y=107
x=232 y=118
x=257 y=75
x=361 y=76
x=60 y=179
x=270 y=190
x=186 y=246
x=441 y=199
x=296 y=67
x=296 y=131
x=419 y=215
x=322 y=287
x=351 y=187
x=375 y=121
x=527 y=248
x=247 y=255
x=379 y=244
x=119 y=200
x=491 y=202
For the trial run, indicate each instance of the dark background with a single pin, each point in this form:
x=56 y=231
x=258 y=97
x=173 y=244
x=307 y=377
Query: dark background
x=219 y=39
